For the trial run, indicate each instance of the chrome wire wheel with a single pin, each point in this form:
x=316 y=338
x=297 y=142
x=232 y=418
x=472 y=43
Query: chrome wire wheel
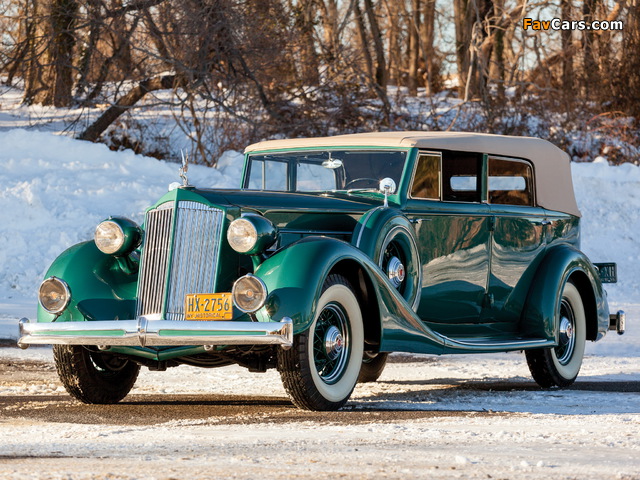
x=331 y=348
x=321 y=369
x=559 y=366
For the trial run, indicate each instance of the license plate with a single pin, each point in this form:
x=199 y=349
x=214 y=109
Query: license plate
x=208 y=306
x=608 y=272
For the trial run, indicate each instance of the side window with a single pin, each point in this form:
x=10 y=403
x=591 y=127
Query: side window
x=461 y=176
x=426 y=182
x=271 y=175
x=510 y=182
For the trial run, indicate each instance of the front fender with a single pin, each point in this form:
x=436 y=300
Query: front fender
x=561 y=264
x=294 y=277
x=100 y=288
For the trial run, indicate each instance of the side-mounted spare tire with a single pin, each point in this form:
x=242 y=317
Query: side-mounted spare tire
x=388 y=238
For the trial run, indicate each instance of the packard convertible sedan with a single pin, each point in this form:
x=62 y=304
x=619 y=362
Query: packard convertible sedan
x=333 y=253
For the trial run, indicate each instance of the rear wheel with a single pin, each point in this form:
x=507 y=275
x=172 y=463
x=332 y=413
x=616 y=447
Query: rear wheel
x=321 y=369
x=559 y=366
x=94 y=377
x=372 y=366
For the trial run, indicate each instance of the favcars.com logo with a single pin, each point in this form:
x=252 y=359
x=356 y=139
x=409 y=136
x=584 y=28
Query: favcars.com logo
x=558 y=24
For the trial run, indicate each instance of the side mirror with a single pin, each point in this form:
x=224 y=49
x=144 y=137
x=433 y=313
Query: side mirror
x=388 y=187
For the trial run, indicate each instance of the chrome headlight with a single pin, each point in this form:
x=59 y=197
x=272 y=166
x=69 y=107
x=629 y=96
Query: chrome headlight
x=249 y=293
x=54 y=295
x=251 y=234
x=117 y=236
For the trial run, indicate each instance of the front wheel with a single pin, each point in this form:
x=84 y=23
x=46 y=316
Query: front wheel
x=559 y=366
x=321 y=369
x=94 y=377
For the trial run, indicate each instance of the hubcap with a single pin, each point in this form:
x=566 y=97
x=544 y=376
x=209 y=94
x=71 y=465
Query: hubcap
x=566 y=330
x=333 y=343
x=567 y=337
x=396 y=271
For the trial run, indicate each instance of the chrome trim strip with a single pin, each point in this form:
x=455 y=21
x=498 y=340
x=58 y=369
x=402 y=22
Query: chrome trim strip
x=315 y=232
x=450 y=342
x=363 y=221
x=145 y=332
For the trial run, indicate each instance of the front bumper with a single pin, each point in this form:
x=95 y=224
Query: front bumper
x=145 y=332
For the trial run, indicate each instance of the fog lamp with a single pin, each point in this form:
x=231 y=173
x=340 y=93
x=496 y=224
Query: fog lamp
x=54 y=295
x=249 y=293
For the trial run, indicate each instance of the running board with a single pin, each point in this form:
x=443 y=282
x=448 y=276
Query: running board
x=487 y=345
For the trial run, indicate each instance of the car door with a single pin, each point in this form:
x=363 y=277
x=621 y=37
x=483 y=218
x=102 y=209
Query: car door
x=517 y=240
x=452 y=230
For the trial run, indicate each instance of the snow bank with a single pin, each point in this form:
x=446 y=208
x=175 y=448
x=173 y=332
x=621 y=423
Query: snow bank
x=609 y=199
x=54 y=190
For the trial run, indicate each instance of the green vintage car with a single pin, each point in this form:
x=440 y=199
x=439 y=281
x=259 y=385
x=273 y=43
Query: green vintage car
x=334 y=252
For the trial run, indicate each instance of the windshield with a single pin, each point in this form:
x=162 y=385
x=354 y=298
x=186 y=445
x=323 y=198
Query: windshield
x=327 y=170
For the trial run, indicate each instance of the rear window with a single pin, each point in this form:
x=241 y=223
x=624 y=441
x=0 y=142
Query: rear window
x=510 y=182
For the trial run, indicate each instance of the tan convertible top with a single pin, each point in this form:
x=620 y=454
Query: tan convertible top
x=554 y=188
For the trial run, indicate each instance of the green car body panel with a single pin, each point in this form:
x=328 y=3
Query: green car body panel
x=488 y=277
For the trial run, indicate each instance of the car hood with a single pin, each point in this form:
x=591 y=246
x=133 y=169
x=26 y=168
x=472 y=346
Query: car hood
x=266 y=202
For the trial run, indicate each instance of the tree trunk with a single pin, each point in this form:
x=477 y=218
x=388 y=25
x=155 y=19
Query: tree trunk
x=50 y=74
x=364 y=43
x=474 y=44
x=309 y=59
x=567 y=49
x=330 y=27
x=591 y=75
x=414 y=47
x=393 y=43
x=161 y=82
x=496 y=68
x=381 y=76
x=431 y=60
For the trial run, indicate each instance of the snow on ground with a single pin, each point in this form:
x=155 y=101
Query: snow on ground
x=492 y=424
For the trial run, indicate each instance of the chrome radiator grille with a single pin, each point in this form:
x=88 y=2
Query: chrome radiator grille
x=171 y=267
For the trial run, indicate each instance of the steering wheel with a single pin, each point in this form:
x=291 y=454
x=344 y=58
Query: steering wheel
x=361 y=179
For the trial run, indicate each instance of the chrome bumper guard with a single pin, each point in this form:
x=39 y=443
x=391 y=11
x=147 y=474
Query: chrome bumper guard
x=145 y=332
x=618 y=321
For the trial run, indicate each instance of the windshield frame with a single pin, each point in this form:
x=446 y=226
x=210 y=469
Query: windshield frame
x=295 y=154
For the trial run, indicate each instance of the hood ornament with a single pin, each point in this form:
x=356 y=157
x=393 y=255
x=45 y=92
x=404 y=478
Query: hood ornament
x=184 y=168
